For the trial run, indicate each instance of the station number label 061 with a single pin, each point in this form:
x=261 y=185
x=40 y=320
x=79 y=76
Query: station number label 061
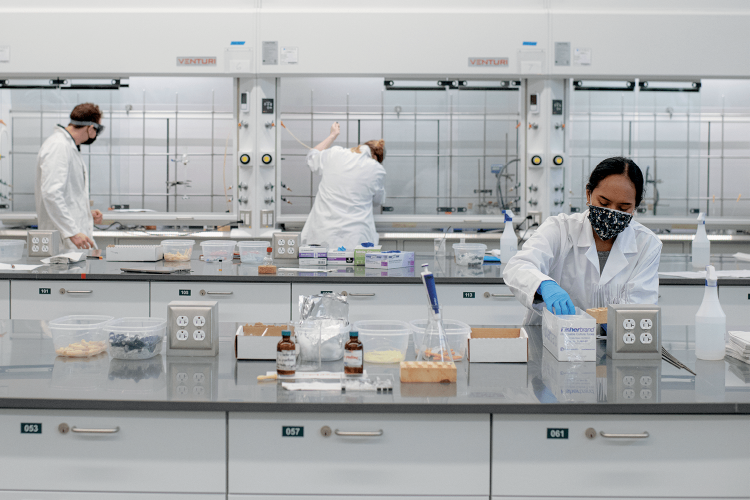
x=557 y=433
x=31 y=428
x=297 y=432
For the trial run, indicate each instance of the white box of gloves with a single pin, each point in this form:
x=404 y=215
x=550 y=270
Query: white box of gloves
x=341 y=257
x=570 y=337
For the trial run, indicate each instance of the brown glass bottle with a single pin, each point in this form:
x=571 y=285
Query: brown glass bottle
x=353 y=355
x=286 y=354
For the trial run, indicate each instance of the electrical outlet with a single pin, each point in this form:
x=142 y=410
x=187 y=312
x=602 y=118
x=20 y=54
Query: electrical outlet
x=286 y=245
x=192 y=379
x=43 y=243
x=634 y=380
x=193 y=328
x=634 y=331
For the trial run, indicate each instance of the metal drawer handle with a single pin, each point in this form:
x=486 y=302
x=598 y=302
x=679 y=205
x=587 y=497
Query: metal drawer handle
x=487 y=295
x=624 y=436
x=95 y=431
x=203 y=292
x=359 y=434
x=64 y=291
x=347 y=294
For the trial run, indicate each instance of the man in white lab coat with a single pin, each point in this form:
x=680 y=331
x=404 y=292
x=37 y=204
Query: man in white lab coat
x=573 y=258
x=353 y=181
x=61 y=190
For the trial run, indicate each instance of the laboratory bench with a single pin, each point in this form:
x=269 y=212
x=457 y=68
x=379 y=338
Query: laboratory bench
x=167 y=426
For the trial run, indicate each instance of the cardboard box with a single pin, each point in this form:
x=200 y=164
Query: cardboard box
x=312 y=262
x=570 y=338
x=312 y=252
x=360 y=251
x=337 y=258
x=134 y=253
x=381 y=260
x=498 y=345
x=258 y=341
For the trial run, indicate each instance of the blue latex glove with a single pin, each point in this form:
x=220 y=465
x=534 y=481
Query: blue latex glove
x=557 y=300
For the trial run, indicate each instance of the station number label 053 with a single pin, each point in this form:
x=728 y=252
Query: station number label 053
x=297 y=432
x=470 y=295
x=31 y=428
x=45 y=291
x=557 y=433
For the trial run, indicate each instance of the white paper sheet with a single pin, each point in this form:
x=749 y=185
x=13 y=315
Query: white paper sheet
x=18 y=267
x=312 y=386
x=734 y=273
x=70 y=256
x=742 y=256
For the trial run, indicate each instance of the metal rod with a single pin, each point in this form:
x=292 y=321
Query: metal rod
x=167 y=196
x=312 y=141
x=708 y=171
x=622 y=125
x=143 y=155
x=416 y=98
x=450 y=158
x=687 y=169
x=655 y=177
x=347 y=120
x=437 y=204
x=111 y=126
x=483 y=178
x=213 y=123
x=176 y=152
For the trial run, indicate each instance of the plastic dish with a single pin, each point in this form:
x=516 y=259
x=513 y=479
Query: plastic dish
x=253 y=252
x=79 y=336
x=135 y=338
x=469 y=254
x=177 y=250
x=11 y=250
x=456 y=332
x=218 y=250
x=384 y=341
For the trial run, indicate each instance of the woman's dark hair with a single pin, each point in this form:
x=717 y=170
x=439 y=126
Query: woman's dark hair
x=618 y=166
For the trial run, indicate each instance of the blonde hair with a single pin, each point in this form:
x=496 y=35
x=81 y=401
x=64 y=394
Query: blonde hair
x=377 y=148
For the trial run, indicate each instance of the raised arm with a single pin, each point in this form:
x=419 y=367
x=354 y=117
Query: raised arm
x=335 y=131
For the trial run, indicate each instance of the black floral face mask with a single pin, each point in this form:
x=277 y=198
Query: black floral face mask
x=608 y=223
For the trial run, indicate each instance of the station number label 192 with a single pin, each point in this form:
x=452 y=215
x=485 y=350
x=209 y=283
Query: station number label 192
x=292 y=431
x=31 y=428
x=557 y=433
x=470 y=295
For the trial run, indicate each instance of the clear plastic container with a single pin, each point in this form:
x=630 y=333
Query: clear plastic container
x=79 y=336
x=456 y=332
x=321 y=339
x=135 y=338
x=177 y=250
x=253 y=252
x=469 y=254
x=11 y=250
x=218 y=250
x=384 y=341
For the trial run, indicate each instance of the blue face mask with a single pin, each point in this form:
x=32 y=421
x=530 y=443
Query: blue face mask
x=608 y=223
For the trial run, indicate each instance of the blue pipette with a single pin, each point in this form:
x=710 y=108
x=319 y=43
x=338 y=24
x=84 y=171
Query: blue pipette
x=429 y=283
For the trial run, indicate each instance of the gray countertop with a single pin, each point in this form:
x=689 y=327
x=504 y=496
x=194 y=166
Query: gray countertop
x=445 y=269
x=32 y=377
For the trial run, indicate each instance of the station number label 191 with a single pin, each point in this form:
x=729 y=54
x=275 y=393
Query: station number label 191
x=292 y=431
x=557 y=433
x=470 y=295
x=31 y=428
x=45 y=291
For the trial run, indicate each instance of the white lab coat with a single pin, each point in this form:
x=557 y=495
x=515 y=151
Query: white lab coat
x=563 y=249
x=61 y=189
x=342 y=213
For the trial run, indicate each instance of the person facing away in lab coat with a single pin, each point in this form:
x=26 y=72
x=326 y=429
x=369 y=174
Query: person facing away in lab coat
x=353 y=181
x=61 y=190
x=572 y=257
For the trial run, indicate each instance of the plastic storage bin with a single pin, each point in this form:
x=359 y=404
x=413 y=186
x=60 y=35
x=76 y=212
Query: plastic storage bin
x=469 y=254
x=253 y=252
x=456 y=332
x=11 y=250
x=177 y=250
x=384 y=341
x=79 y=336
x=218 y=250
x=135 y=338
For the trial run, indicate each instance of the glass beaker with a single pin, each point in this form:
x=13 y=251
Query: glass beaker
x=435 y=345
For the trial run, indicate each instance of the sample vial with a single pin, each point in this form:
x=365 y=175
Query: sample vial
x=268 y=260
x=286 y=354
x=353 y=353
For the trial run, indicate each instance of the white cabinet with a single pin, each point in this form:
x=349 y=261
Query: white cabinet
x=236 y=496
x=735 y=301
x=169 y=452
x=5 y=299
x=42 y=299
x=79 y=495
x=480 y=304
x=679 y=303
x=683 y=456
x=403 y=302
x=238 y=302
x=429 y=455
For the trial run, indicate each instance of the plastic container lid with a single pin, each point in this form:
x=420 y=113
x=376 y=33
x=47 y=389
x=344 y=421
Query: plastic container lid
x=144 y=326
x=178 y=243
x=470 y=246
x=381 y=327
x=218 y=243
x=262 y=244
x=452 y=327
x=80 y=321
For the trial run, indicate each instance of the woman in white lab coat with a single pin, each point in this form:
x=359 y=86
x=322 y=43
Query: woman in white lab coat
x=353 y=181
x=572 y=257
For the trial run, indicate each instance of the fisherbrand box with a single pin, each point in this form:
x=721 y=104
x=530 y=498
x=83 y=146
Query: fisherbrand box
x=570 y=338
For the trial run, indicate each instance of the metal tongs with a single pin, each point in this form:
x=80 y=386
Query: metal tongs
x=666 y=356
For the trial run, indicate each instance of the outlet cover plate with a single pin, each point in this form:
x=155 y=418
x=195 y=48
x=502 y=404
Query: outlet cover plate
x=286 y=245
x=43 y=243
x=630 y=319
x=200 y=336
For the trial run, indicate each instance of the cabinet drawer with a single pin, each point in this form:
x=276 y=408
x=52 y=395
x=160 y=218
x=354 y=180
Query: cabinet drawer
x=480 y=304
x=238 y=302
x=679 y=303
x=44 y=300
x=236 y=496
x=735 y=301
x=683 y=456
x=151 y=452
x=400 y=302
x=5 y=299
x=415 y=455
x=79 y=495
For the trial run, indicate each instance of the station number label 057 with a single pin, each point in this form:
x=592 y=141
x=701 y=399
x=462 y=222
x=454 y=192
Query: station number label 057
x=31 y=428
x=297 y=432
x=557 y=433
x=470 y=295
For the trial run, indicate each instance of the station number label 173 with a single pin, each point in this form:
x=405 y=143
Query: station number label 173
x=292 y=431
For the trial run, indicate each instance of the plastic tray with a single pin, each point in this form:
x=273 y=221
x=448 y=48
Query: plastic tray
x=177 y=250
x=253 y=252
x=218 y=250
x=79 y=336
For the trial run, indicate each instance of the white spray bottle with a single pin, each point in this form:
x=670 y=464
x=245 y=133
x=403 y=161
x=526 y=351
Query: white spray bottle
x=509 y=240
x=701 y=248
x=710 y=322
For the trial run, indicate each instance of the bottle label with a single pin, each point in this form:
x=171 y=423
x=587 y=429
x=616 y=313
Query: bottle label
x=286 y=360
x=353 y=359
